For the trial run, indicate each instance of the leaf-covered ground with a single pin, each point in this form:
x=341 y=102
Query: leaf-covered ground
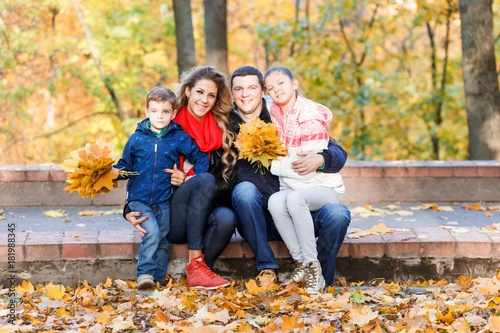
x=467 y=305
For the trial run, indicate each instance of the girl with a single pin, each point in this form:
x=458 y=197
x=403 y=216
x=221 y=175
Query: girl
x=302 y=125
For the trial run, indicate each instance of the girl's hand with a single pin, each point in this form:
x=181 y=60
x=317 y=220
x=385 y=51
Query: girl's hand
x=177 y=177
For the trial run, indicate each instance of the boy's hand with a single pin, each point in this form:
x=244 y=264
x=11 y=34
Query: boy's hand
x=309 y=162
x=132 y=218
x=115 y=171
x=177 y=177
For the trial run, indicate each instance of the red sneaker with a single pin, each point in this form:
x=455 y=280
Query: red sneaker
x=200 y=276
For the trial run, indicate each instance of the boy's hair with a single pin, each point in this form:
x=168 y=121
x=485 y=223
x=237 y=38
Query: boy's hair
x=161 y=94
x=248 y=70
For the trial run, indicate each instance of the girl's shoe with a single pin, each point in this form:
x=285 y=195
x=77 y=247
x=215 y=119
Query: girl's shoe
x=314 y=278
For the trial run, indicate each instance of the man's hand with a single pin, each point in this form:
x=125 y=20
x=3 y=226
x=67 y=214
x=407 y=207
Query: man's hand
x=177 y=176
x=309 y=162
x=132 y=218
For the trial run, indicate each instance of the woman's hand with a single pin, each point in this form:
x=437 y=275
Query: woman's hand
x=309 y=162
x=132 y=218
x=177 y=177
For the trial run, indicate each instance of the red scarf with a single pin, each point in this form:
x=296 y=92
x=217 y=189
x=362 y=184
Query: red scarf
x=206 y=133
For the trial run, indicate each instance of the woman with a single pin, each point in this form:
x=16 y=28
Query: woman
x=200 y=213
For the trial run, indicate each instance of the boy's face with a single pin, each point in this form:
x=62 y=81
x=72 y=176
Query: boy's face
x=160 y=114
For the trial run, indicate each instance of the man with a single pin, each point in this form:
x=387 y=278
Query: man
x=254 y=187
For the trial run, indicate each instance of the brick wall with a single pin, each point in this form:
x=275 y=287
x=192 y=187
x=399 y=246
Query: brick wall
x=366 y=182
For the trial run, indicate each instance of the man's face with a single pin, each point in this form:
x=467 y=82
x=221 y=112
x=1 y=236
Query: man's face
x=247 y=95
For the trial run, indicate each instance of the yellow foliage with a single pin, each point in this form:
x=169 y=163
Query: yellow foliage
x=258 y=143
x=90 y=170
x=55 y=292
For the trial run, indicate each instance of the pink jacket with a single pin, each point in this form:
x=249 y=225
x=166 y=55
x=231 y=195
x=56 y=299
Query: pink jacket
x=303 y=128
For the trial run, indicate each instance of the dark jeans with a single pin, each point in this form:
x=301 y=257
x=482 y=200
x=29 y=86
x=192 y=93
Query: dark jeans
x=193 y=219
x=257 y=227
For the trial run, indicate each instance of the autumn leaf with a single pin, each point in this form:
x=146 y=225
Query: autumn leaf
x=90 y=170
x=25 y=286
x=253 y=288
x=362 y=316
x=464 y=282
x=379 y=229
x=258 y=143
x=291 y=323
x=55 y=292
x=475 y=206
x=55 y=213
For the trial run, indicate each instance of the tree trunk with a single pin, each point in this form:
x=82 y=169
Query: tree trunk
x=482 y=98
x=97 y=59
x=186 y=55
x=216 y=34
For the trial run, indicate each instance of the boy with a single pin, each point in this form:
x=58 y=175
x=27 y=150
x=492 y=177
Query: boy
x=156 y=145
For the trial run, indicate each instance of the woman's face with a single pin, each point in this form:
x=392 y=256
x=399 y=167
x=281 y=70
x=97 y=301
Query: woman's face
x=201 y=98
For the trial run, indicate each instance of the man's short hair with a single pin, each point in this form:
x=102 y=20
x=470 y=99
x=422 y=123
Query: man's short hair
x=248 y=70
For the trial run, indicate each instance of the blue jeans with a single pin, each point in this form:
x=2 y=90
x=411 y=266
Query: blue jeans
x=153 y=251
x=196 y=222
x=257 y=227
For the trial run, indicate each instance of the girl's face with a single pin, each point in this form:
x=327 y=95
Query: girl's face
x=201 y=98
x=282 y=89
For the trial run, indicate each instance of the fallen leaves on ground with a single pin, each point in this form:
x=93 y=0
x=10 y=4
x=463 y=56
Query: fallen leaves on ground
x=55 y=213
x=379 y=229
x=89 y=212
x=469 y=305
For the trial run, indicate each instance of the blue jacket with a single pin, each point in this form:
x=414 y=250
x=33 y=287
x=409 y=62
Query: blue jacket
x=149 y=155
x=267 y=183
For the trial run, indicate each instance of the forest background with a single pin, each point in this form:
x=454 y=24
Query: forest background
x=391 y=71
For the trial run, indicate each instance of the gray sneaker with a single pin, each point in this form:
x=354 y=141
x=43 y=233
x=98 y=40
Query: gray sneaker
x=298 y=273
x=314 y=278
x=145 y=281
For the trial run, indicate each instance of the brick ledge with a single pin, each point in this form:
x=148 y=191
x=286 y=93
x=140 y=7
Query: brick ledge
x=413 y=243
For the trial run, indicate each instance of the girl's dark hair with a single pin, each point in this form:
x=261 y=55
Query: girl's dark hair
x=279 y=69
x=284 y=70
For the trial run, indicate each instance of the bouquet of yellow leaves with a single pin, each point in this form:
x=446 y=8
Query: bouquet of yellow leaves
x=90 y=170
x=258 y=143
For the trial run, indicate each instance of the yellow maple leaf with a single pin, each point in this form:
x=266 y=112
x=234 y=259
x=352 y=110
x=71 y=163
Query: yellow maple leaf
x=55 y=292
x=464 y=282
x=289 y=323
x=103 y=319
x=90 y=170
x=55 y=213
x=62 y=311
x=446 y=317
x=258 y=143
x=253 y=288
x=475 y=206
x=25 y=287
x=362 y=316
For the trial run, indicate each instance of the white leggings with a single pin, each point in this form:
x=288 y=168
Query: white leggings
x=291 y=212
